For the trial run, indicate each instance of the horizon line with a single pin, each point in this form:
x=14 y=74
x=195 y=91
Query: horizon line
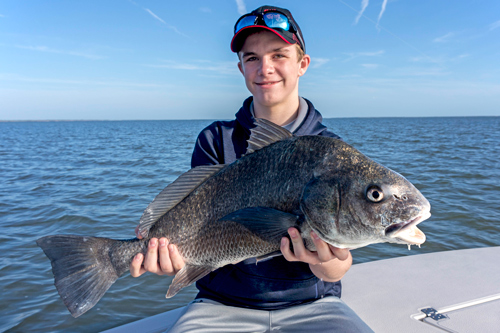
x=215 y=119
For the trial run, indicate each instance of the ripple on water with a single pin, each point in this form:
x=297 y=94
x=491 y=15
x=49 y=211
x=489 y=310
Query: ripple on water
x=96 y=178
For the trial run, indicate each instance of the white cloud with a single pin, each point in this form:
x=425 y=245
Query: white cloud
x=350 y=76
x=364 y=4
x=228 y=67
x=155 y=16
x=205 y=10
x=318 y=62
x=371 y=54
x=2 y=15
x=495 y=25
x=364 y=54
x=370 y=66
x=426 y=59
x=444 y=38
x=162 y=21
x=384 y=4
x=242 y=9
x=442 y=60
x=150 y=12
x=50 y=50
x=422 y=72
x=20 y=78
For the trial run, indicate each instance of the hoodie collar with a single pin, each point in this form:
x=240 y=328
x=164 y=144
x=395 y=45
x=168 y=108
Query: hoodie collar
x=311 y=124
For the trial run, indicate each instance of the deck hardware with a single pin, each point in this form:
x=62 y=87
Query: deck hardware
x=436 y=317
x=433 y=314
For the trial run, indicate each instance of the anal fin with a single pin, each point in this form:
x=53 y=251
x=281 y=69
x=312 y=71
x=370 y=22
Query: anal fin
x=186 y=276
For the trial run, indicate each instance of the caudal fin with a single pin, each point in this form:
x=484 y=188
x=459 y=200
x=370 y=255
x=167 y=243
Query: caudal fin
x=82 y=268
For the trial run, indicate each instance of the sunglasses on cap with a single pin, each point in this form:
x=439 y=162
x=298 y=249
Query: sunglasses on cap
x=270 y=19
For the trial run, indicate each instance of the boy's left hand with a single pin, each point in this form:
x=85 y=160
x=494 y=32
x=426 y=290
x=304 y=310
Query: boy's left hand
x=325 y=252
x=328 y=262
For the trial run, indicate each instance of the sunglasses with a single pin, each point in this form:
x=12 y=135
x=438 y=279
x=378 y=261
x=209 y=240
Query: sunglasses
x=271 y=19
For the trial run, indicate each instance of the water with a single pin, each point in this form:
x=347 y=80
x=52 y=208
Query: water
x=96 y=178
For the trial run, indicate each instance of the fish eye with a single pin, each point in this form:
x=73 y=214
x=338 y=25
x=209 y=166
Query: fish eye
x=374 y=194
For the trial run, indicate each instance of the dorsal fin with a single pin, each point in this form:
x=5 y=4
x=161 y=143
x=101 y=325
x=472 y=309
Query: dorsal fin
x=264 y=134
x=174 y=193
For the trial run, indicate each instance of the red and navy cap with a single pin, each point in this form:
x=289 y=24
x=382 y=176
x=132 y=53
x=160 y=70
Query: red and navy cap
x=293 y=36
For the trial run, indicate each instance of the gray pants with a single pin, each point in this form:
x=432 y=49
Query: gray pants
x=329 y=314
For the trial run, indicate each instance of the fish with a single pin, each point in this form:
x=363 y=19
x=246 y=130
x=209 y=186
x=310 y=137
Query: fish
x=223 y=214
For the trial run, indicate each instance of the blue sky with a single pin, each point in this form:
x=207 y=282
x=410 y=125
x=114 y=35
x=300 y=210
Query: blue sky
x=123 y=59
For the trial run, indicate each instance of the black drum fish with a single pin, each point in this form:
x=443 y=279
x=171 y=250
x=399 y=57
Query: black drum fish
x=222 y=214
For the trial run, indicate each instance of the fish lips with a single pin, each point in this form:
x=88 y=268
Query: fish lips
x=407 y=231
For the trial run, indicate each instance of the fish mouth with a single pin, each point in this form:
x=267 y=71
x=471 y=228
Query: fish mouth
x=407 y=231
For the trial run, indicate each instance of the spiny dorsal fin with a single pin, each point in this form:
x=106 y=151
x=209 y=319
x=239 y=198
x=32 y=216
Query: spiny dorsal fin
x=175 y=193
x=264 y=134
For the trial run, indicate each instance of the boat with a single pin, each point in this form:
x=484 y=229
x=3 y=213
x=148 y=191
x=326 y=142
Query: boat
x=449 y=291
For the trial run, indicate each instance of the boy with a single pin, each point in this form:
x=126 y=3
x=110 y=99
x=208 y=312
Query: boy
x=286 y=292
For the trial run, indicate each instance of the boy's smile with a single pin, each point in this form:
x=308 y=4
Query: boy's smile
x=267 y=83
x=271 y=69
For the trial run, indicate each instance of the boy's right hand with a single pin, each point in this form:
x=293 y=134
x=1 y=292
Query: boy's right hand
x=162 y=258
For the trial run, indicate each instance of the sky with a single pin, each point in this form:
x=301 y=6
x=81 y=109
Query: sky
x=127 y=60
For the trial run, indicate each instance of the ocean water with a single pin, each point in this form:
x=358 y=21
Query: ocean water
x=96 y=178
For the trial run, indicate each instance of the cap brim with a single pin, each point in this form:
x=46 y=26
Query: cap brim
x=239 y=38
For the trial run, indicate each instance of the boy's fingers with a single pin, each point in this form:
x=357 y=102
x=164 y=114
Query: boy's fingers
x=299 y=250
x=176 y=259
x=151 y=259
x=165 y=262
x=341 y=254
x=136 y=268
x=322 y=248
x=285 y=250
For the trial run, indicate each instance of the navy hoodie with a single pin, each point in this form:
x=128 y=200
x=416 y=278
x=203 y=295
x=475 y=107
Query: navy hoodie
x=274 y=283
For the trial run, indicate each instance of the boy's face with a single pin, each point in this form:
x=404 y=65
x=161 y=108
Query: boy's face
x=271 y=68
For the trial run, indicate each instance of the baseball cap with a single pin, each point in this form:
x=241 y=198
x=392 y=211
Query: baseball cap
x=275 y=19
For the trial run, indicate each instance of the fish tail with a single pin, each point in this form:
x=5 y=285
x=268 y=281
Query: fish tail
x=85 y=267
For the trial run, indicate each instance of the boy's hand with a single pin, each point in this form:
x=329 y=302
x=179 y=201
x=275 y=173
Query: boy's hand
x=329 y=263
x=162 y=258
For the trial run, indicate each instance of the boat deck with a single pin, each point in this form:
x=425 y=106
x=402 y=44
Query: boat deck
x=452 y=291
x=463 y=287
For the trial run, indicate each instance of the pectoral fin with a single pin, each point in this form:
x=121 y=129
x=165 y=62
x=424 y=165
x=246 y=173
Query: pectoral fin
x=267 y=223
x=268 y=256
